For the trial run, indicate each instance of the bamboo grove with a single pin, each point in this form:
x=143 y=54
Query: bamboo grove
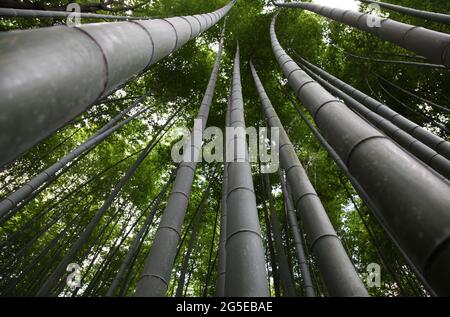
x=93 y=204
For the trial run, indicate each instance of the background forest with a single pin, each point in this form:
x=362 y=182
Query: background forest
x=50 y=222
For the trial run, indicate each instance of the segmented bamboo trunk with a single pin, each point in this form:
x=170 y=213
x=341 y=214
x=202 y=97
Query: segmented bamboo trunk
x=360 y=191
x=434 y=142
x=431 y=44
x=155 y=276
x=430 y=16
x=81 y=64
x=362 y=194
x=246 y=273
x=430 y=157
x=413 y=200
x=338 y=273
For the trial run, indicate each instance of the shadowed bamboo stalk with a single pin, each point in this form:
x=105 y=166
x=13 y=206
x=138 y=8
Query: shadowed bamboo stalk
x=246 y=273
x=82 y=64
x=402 y=188
x=40 y=230
x=373 y=238
x=338 y=273
x=155 y=276
x=221 y=268
x=118 y=241
x=430 y=157
x=433 y=141
x=55 y=201
x=340 y=163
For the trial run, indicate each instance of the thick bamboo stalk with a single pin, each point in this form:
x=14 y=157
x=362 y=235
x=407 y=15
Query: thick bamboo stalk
x=430 y=157
x=340 y=163
x=338 y=273
x=413 y=201
x=221 y=268
x=155 y=276
x=425 y=42
x=361 y=192
x=246 y=273
x=51 y=75
x=436 y=143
